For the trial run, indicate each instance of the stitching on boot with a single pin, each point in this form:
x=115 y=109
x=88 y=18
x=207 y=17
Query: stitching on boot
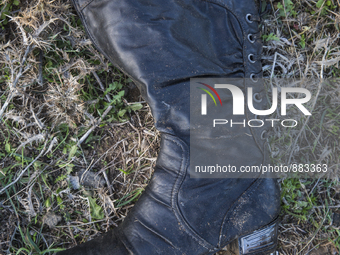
x=223 y=5
x=124 y=240
x=85 y=4
x=180 y=219
x=236 y=206
x=157 y=234
x=157 y=200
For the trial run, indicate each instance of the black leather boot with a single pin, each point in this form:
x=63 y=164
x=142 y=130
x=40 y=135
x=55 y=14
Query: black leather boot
x=160 y=45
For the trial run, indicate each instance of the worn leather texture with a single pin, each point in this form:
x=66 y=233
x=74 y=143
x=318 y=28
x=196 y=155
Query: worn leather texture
x=160 y=45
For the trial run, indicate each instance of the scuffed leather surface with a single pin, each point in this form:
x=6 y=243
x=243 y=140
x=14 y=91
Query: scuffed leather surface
x=161 y=45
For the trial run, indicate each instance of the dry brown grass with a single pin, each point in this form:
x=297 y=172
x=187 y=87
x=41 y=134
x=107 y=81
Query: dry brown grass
x=307 y=50
x=48 y=86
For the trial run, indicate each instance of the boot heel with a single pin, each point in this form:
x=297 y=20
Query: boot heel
x=260 y=242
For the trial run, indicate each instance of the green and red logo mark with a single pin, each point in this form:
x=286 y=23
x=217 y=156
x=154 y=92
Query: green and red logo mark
x=204 y=97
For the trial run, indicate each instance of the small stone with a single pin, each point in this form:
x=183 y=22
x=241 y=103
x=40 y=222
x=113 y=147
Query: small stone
x=51 y=219
x=91 y=179
x=74 y=182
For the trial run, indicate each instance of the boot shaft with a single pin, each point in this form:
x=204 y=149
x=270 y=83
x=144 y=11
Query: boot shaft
x=161 y=45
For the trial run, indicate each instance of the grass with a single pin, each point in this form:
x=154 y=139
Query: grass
x=302 y=43
x=67 y=128
x=78 y=144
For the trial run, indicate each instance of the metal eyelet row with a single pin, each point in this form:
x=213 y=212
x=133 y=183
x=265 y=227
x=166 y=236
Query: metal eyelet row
x=264 y=134
x=251 y=39
x=249 y=18
x=253 y=78
x=257 y=97
x=251 y=58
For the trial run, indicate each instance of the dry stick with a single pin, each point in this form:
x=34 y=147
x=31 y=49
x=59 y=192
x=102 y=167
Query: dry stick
x=83 y=138
x=330 y=206
x=83 y=224
x=9 y=98
x=83 y=174
x=13 y=85
x=316 y=97
x=24 y=170
x=107 y=182
x=88 y=202
x=30 y=203
x=101 y=85
x=41 y=60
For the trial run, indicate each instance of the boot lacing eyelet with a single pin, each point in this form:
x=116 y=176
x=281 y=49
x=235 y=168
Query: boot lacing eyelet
x=249 y=18
x=257 y=97
x=251 y=58
x=253 y=78
x=251 y=38
x=258 y=119
x=264 y=134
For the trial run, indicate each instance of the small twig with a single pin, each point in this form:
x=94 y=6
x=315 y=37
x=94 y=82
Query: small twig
x=88 y=223
x=74 y=240
x=9 y=98
x=88 y=202
x=107 y=182
x=101 y=85
x=40 y=125
x=5 y=5
x=40 y=77
x=83 y=138
x=30 y=203
x=330 y=206
x=22 y=30
x=43 y=26
x=39 y=137
x=87 y=169
x=24 y=170
x=96 y=124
